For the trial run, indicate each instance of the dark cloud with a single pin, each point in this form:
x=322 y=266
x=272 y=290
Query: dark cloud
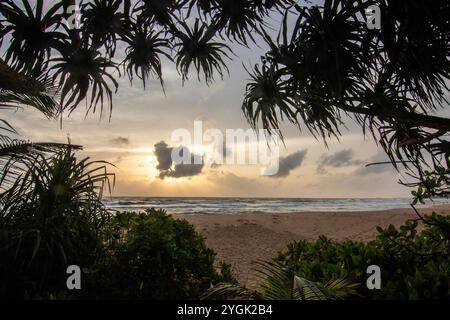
x=289 y=163
x=343 y=158
x=377 y=165
x=166 y=165
x=120 y=141
x=163 y=156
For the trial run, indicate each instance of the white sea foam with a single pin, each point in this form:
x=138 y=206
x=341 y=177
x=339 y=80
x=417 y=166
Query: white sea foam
x=254 y=205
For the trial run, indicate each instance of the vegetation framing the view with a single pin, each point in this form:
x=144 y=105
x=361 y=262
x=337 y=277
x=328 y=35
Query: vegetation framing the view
x=323 y=65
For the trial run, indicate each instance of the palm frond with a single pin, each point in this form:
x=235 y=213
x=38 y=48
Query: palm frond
x=278 y=282
x=159 y=11
x=196 y=46
x=237 y=19
x=101 y=22
x=144 y=52
x=18 y=89
x=82 y=71
x=229 y=290
x=15 y=154
x=333 y=290
x=266 y=99
x=43 y=102
x=51 y=216
x=33 y=33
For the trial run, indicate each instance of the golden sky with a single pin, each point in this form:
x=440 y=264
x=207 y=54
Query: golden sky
x=142 y=118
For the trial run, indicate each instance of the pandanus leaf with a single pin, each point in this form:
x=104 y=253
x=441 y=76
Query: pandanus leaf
x=196 y=46
x=143 y=54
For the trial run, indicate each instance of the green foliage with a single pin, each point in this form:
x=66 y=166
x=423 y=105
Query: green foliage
x=225 y=290
x=50 y=218
x=226 y=273
x=330 y=65
x=431 y=184
x=413 y=265
x=279 y=282
x=154 y=256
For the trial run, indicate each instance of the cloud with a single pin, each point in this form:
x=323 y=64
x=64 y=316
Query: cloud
x=289 y=163
x=163 y=156
x=343 y=158
x=166 y=166
x=120 y=141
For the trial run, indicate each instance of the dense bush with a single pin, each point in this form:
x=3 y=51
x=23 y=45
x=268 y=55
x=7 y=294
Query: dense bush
x=413 y=265
x=50 y=218
x=154 y=256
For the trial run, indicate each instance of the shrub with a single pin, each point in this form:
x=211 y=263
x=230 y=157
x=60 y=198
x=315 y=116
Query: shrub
x=281 y=283
x=50 y=218
x=154 y=256
x=413 y=265
x=53 y=217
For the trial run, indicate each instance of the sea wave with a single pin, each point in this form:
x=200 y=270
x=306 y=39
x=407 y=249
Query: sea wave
x=254 y=205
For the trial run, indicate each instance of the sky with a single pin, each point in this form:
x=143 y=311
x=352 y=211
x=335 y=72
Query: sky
x=138 y=136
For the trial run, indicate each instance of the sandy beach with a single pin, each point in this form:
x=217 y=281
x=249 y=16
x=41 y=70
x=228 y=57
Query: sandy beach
x=243 y=238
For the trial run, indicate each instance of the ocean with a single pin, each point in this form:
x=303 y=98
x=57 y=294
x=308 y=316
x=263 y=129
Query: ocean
x=256 y=205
